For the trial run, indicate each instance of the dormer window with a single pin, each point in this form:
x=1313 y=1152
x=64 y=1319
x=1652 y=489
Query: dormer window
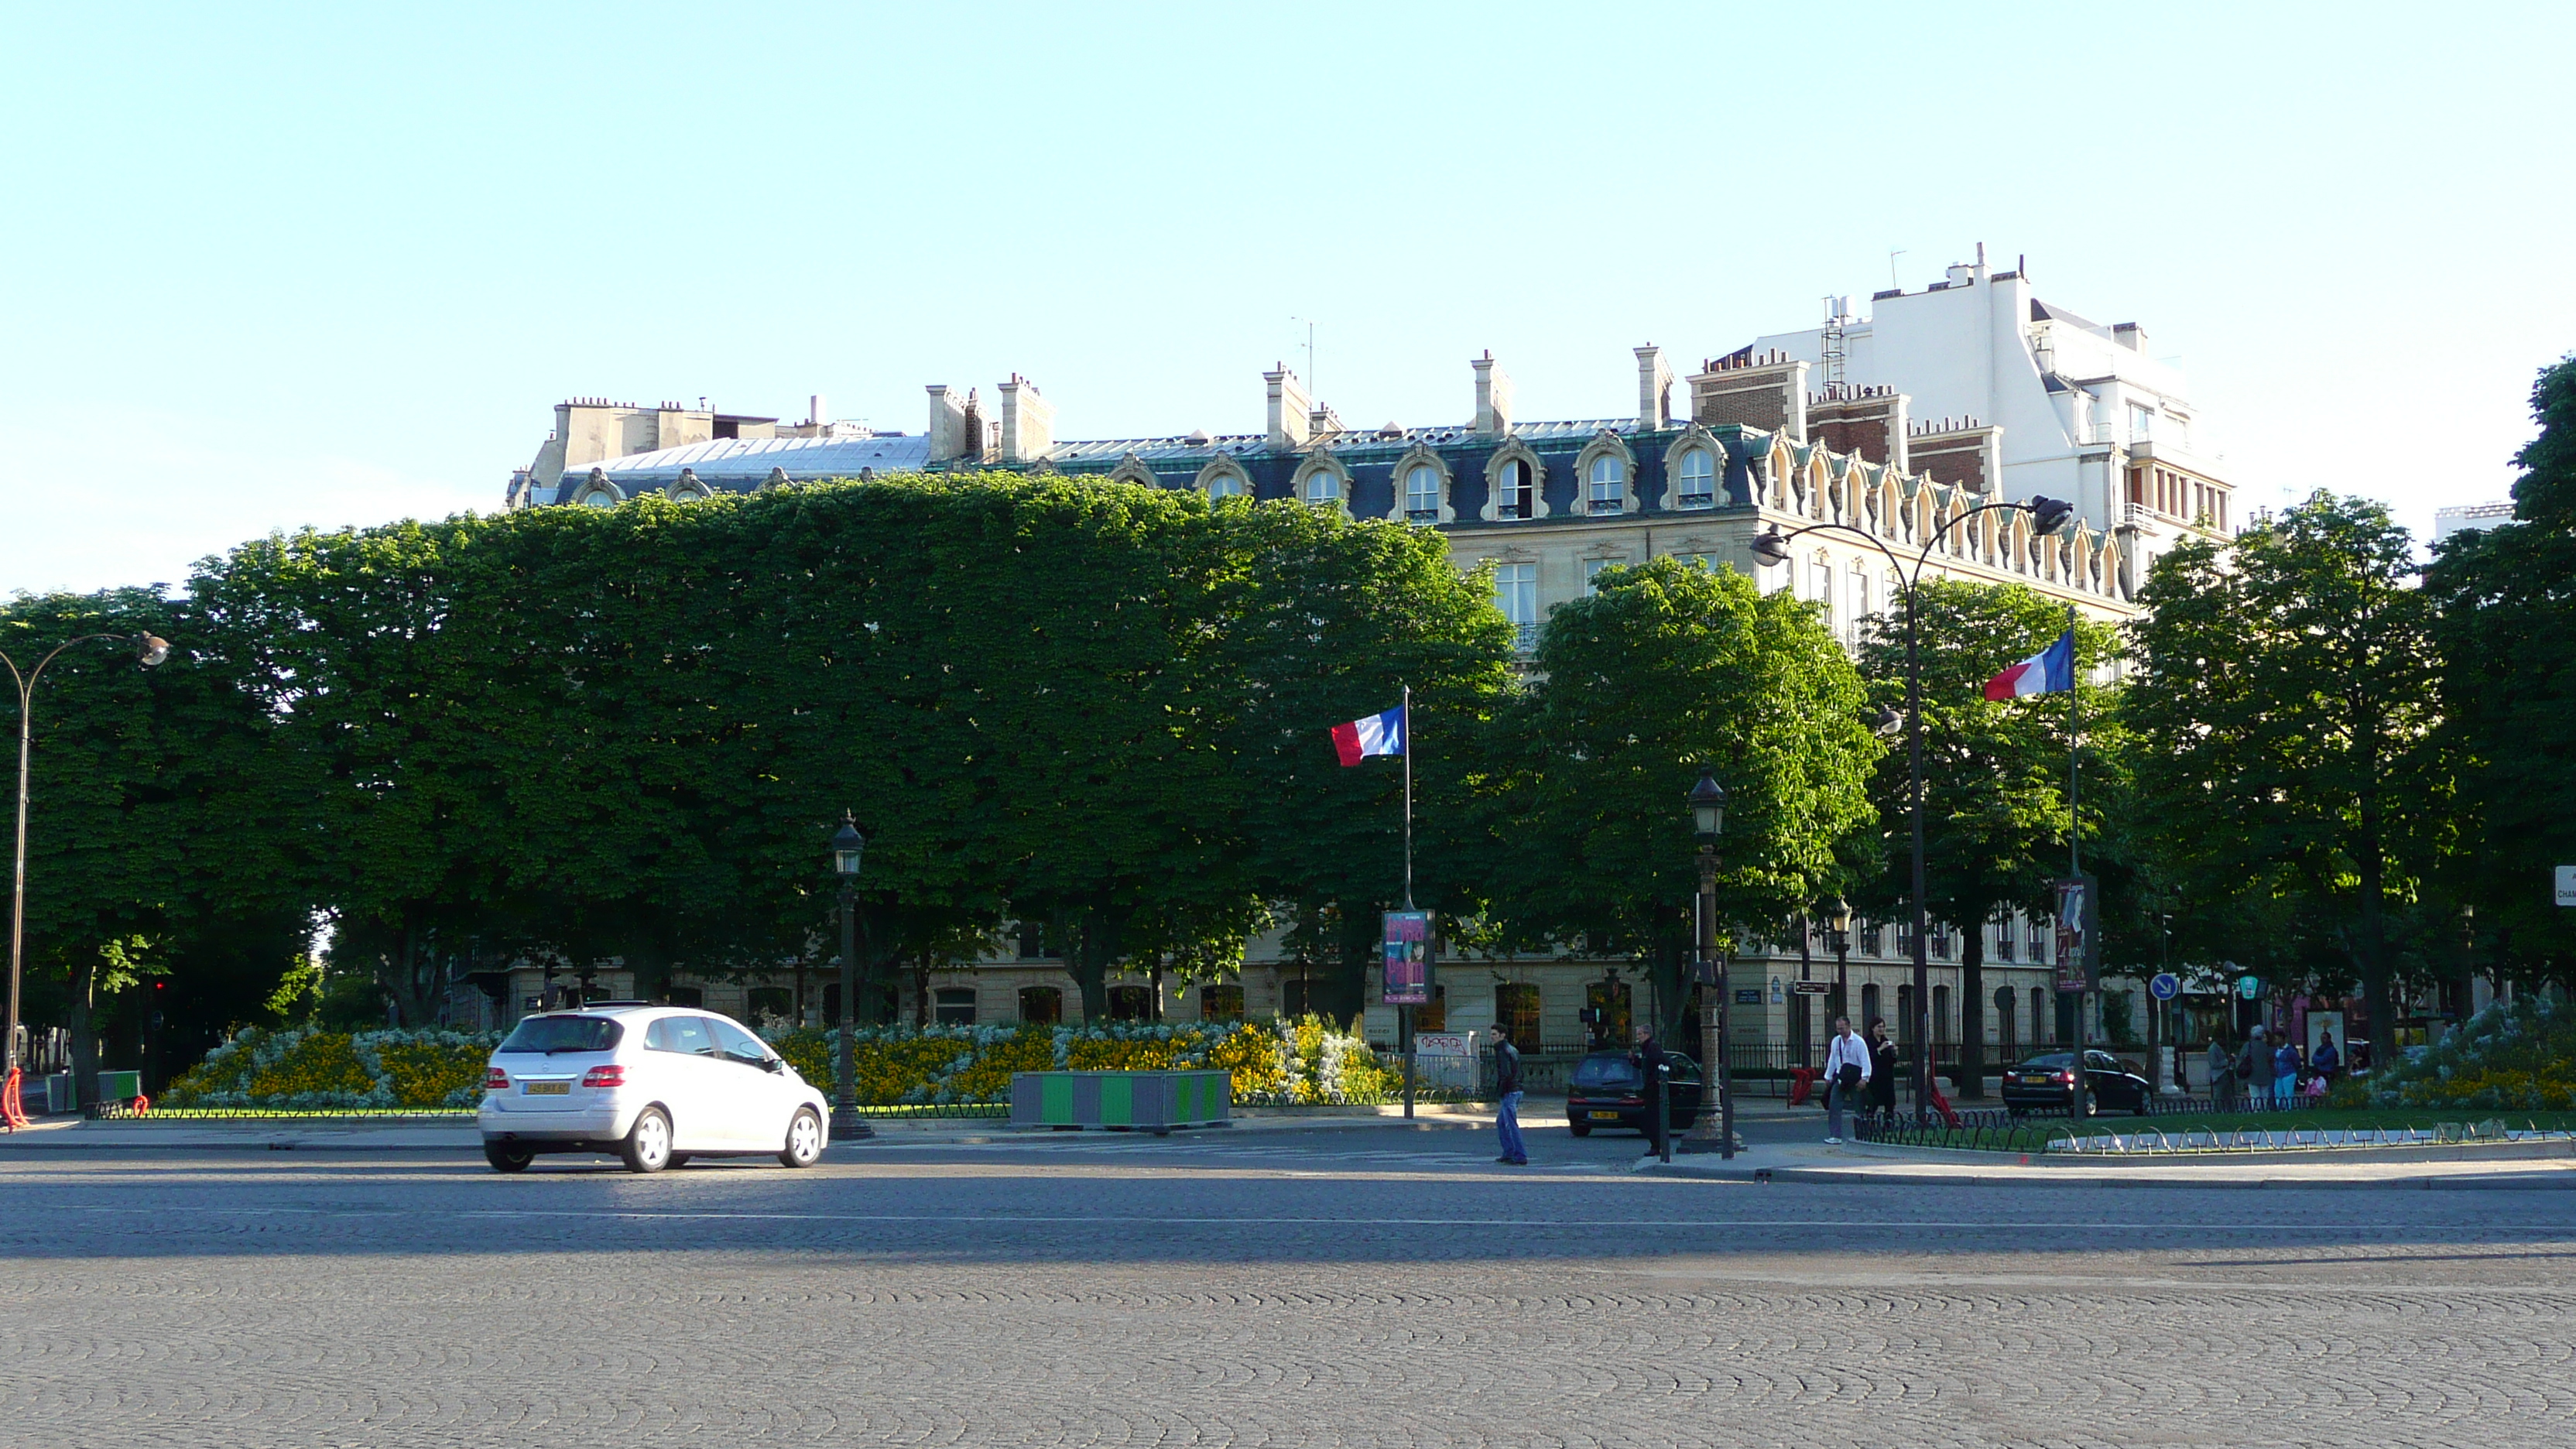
x=1422 y=494
x=1512 y=492
x=1697 y=480
x=1224 y=485
x=1606 y=485
x=1323 y=489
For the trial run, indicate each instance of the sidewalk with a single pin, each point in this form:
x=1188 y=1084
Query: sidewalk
x=2527 y=1166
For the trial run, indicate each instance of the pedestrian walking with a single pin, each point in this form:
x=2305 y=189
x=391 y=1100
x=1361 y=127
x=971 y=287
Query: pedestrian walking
x=2222 y=1074
x=1846 y=1073
x=1649 y=1057
x=2285 y=1072
x=1507 y=1087
x=2254 y=1065
x=1882 y=1068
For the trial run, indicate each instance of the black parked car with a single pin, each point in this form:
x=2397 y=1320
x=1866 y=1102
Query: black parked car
x=1609 y=1090
x=2047 y=1084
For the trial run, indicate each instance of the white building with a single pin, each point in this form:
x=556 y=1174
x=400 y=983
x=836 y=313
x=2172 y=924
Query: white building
x=1983 y=384
x=2461 y=517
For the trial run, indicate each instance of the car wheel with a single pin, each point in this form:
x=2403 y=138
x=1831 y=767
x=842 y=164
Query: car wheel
x=1579 y=1129
x=804 y=1140
x=507 y=1159
x=678 y=1159
x=647 y=1147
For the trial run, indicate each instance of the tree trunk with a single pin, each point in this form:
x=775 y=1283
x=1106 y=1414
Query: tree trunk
x=84 y=1041
x=410 y=977
x=1971 y=1076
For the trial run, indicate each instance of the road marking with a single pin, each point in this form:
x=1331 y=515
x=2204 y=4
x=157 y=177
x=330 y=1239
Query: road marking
x=1052 y=1220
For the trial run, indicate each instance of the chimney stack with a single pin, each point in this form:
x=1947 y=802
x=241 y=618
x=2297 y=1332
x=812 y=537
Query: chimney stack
x=1028 y=422
x=947 y=430
x=1290 y=409
x=1493 y=397
x=1654 y=389
x=815 y=415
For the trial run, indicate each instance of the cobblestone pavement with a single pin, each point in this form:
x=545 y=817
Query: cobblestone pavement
x=1293 y=1288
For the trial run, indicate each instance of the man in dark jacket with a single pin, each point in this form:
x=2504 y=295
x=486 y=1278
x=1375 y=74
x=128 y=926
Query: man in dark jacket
x=1507 y=1087
x=1649 y=1057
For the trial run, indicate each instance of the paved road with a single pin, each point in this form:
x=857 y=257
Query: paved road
x=1327 y=1287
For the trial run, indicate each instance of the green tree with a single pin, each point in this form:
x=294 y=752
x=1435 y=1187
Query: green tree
x=1666 y=668
x=1995 y=772
x=2504 y=602
x=2285 y=685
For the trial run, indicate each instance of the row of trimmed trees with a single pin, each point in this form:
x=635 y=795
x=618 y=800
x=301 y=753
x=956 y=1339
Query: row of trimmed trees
x=1103 y=710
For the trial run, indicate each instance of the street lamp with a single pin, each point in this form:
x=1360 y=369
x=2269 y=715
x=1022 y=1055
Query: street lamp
x=1838 y=934
x=847 y=846
x=2047 y=515
x=1708 y=821
x=149 y=651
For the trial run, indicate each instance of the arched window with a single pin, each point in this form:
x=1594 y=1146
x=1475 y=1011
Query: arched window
x=1131 y=1003
x=1323 y=487
x=1224 y=485
x=599 y=498
x=1513 y=496
x=1697 y=480
x=1422 y=494
x=1607 y=485
x=1041 y=1005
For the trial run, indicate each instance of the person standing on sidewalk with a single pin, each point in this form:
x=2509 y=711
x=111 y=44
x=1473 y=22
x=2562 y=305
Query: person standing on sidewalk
x=1882 y=1068
x=1649 y=1057
x=1507 y=1087
x=2222 y=1074
x=2327 y=1059
x=2254 y=1065
x=1846 y=1074
x=2285 y=1073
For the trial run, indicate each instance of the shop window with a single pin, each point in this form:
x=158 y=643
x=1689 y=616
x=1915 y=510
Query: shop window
x=1131 y=1003
x=1606 y=1016
x=1221 y=1003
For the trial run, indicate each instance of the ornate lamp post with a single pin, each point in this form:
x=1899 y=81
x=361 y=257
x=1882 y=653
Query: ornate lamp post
x=1708 y=821
x=1838 y=935
x=2047 y=515
x=847 y=845
x=149 y=651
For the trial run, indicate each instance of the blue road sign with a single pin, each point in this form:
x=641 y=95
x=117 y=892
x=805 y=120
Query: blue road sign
x=2164 y=986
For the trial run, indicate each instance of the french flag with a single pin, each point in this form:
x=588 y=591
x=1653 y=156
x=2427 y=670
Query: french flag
x=1377 y=734
x=2050 y=671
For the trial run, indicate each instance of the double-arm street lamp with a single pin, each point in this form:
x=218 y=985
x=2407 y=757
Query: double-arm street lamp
x=847 y=846
x=1708 y=821
x=2047 y=515
x=148 y=652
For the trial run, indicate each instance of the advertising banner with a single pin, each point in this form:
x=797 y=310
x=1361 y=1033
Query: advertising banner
x=2079 y=920
x=1406 y=980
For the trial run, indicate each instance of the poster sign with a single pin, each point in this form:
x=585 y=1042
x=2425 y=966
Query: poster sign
x=2079 y=947
x=2567 y=885
x=1406 y=980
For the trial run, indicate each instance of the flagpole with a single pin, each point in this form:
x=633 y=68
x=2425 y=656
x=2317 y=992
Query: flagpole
x=1404 y=1014
x=1408 y=796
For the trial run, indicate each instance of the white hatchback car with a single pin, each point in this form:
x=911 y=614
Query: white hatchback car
x=656 y=1085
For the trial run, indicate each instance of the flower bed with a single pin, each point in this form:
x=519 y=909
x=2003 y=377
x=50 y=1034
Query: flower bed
x=1276 y=1063
x=306 y=1069
x=2518 y=1057
x=1279 y=1063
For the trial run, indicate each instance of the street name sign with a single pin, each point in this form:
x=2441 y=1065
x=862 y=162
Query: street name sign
x=1813 y=988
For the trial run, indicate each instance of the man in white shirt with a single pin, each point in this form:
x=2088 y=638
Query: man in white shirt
x=1848 y=1055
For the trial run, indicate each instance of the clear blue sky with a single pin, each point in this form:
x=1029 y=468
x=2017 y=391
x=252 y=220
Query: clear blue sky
x=270 y=266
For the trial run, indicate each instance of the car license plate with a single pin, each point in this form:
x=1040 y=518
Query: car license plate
x=1604 y=1116
x=2034 y=1081
x=547 y=1089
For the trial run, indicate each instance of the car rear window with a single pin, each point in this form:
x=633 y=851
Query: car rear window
x=2055 y=1061
x=564 y=1034
x=1606 y=1072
